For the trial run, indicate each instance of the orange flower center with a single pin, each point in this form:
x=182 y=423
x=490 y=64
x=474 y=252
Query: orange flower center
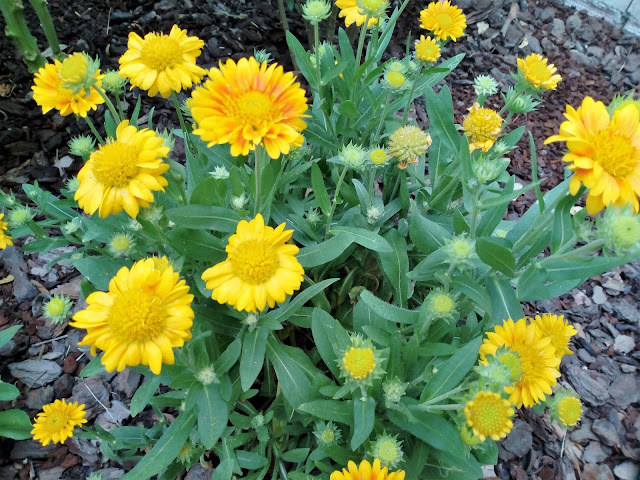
x=255 y=109
x=614 y=152
x=137 y=315
x=254 y=261
x=161 y=53
x=115 y=165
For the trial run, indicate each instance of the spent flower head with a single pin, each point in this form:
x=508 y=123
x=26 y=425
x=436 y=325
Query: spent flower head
x=394 y=390
x=72 y=226
x=482 y=127
x=8 y=199
x=240 y=201
x=620 y=229
x=82 y=146
x=207 y=376
x=407 y=144
x=57 y=308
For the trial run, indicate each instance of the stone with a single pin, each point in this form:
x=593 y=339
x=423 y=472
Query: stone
x=547 y=14
x=573 y=22
x=591 y=386
x=63 y=386
x=606 y=431
x=626 y=310
x=37 y=397
x=585 y=356
x=519 y=441
x=31 y=449
x=583 y=434
x=8 y=472
x=35 y=373
x=93 y=393
x=624 y=344
x=198 y=472
x=84 y=449
x=114 y=415
x=586 y=33
x=23 y=289
x=599 y=297
x=594 y=453
x=110 y=473
x=533 y=43
x=627 y=471
x=557 y=29
x=597 y=472
x=126 y=382
x=69 y=365
x=627 y=368
x=54 y=473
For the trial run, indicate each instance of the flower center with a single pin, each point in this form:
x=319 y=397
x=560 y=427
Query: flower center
x=444 y=21
x=56 y=307
x=73 y=70
x=359 y=362
x=482 y=125
x=137 y=315
x=56 y=420
x=254 y=261
x=442 y=304
x=161 y=53
x=614 y=152
x=115 y=165
x=488 y=416
x=569 y=410
x=255 y=109
x=328 y=436
x=387 y=451
x=539 y=72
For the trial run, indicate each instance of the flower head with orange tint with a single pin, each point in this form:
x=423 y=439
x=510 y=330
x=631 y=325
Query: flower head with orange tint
x=248 y=103
x=57 y=421
x=123 y=173
x=482 y=127
x=351 y=13
x=162 y=63
x=604 y=153
x=146 y=312
x=5 y=239
x=536 y=70
x=366 y=471
x=446 y=21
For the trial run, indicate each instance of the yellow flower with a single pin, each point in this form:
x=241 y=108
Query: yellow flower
x=489 y=415
x=395 y=79
x=123 y=173
x=248 y=103
x=378 y=156
x=261 y=268
x=604 y=153
x=49 y=90
x=538 y=362
x=146 y=312
x=366 y=471
x=556 y=328
x=359 y=362
x=444 y=20
x=569 y=411
x=427 y=49
x=56 y=422
x=482 y=126
x=162 y=63
x=5 y=239
x=407 y=144
x=537 y=72
x=353 y=14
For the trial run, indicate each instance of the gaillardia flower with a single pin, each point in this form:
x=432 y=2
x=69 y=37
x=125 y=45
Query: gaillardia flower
x=146 y=312
x=407 y=144
x=250 y=103
x=566 y=408
x=482 y=127
x=366 y=471
x=536 y=70
x=604 y=153
x=538 y=362
x=5 y=239
x=52 y=87
x=57 y=421
x=556 y=328
x=361 y=362
x=427 y=49
x=351 y=13
x=162 y=63
x=489 y=415
x=261 y=268
x=123 y=173
x=446 y=21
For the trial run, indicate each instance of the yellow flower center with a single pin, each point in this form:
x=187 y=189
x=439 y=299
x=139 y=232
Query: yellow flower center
x=116 y=164
x=255 y=109
x=328 y=436
x=378 y=156
x=461 y=249
x=569 y=410
x=626 y=231
x=387 y=452
x=512 y=362
x=56 y=420
x=56 y=307
x=396 y=79
x=254 y=261
x=538 y=72
x=488 y=415
x=482 y=125
x=444 y=21
x=120 y=243
x=614 y=152
x=161 y=52
x=138 y=315
x=442 y=303
x=73 y=70
x=359 y=362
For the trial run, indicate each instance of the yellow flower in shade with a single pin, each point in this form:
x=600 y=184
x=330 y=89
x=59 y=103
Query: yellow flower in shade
x=604 y=153
x=482 y=127
x=57 y=421
x=556 y=328
x=407 y=144
x=427 y=49
x=162 y=63
x=444 y=20
x=535 y=69
x=366 y=471
x=261 y=268
x=50 y=93
x=568 y=410
x=489 y=415
x=123 y=173
x=248 y=103
x=5 y=239
x=538 y=362
x=146 y=312
x=353 y=14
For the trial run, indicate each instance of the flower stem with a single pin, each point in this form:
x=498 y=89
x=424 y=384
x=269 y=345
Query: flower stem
x=109 y=103
x=363 y=33
x=93 y=129
x=589 y=247
x=382 y=118
x=316 y=49
x=40 y=6
x=335 y=200
x=405 y=114
x=117 y=95
x=259 y=157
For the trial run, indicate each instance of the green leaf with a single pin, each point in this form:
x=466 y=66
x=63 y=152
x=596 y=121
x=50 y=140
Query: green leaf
x=100 y=270
x=504 y=302
x=294 y=384
x=432 y=429
x=395 y=265
x=330 y=410
x=302 y=59
x=319 y=189
x=8 y=392
x=365 y=238
x=427 y=236
x=463 y=283
x=284 y=312
x=324 y=252
x=325 y=329
x=496 y=252
x=440 y=113
x=197 y=244
x=8 y=333
x=228 y=358
x=250 y=460
x=297 y=455
x=15 y=424
x=213 y=415
x=562 y=230
x=166 y=448
x=252 y=357
x=204 y=217
x=364 y=416
x=94 y=367
x=144 y=394
x=388 y=311
x=426 y=269
x=443 y=464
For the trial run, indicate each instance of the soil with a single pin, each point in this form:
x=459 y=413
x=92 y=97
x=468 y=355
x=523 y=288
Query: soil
x=594 y=58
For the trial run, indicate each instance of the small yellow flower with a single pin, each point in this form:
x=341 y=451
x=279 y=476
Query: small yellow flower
x=359 y=362
x=162 y=63
x=378 y=156
x=569 y=411
x=353 y=14
x=444 y=20
x=537 y=72
x=427 y=49
x=407 y=144
x=121 y=244
x=57 y=421
x=73 y=71
x=482 y=126
x=489 y=415
x=5 y=239
x=556 y=328
x=366 y=471
x=395 y=79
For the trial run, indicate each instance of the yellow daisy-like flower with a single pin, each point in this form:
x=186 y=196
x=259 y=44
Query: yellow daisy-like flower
x=427 y=49
x=407 y=144
x=604 y=153
x=162 y=63
x=123 y=173
x=536 y=70
x=444 y=20
x=49 y=91
x=352 y=13
x=538 y=362
x=57 y=421
x=569 y=411
x=248 y=103
x=489 y=415
x=5 y=239
x=261 y=268
x=558 y=329
x=359 y=362
x=366 y=471
x=146 y=312
x=482 y=127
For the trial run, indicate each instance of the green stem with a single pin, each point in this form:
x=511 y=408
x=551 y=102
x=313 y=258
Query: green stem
x=405 y=114
x=372 y=177
x=117 y=95
x=259 y=157
x=18 y=31
x=285 y=27
x=437 y=408
x=183 y=125
x=335 y=200
x=316 y=49
x=589 y=247
x=444 y=396
x=382 y=118
x=109 y=103
x=93 y=129
x=474 y=213
x=40 y=6
x=396 y=187
x=363 y=33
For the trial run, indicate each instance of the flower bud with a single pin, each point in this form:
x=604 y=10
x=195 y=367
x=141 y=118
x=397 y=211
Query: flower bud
x=352 y=156
x=261 y=55
x=238 y=203
x=516 y=102
x=388 y=450
x=327 y=433
x=314 y=11
x=57 y=308
x=77 y=72
x=112 y=82
x=620 y=229
x=207 y=376
x=485 y=85
x=394 y=390
x=373 y=214
x=219 y=173
x=121 y=245
x=373 y=8
x=82 y=146
x=20 y=216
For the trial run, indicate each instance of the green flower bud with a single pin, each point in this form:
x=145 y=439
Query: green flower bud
x=314 y=11
x=388 y=450
x=82 y=146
